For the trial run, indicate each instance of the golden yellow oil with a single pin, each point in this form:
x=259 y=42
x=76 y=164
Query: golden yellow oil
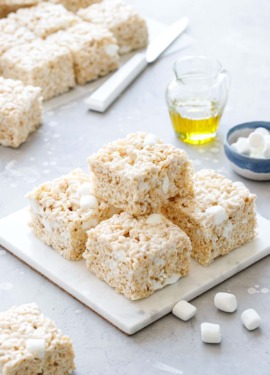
x=194 y=131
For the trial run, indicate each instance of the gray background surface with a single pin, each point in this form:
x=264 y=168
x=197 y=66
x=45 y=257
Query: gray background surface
x=238 y=34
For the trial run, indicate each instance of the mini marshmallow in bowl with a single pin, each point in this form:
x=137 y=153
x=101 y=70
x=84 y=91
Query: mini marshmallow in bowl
x=247 y=147
x=256 y=145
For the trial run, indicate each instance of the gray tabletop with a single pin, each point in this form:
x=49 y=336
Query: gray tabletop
x=238 y=34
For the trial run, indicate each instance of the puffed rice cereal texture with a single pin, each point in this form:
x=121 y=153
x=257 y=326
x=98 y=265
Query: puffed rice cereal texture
x=122 y=20
x=93 y=48
x=137 y=256
x=45 y=18
x=75 y=5
x=20 y=111
x=63 y=210
x=139 y=173
x=31 y=344
x=218 y=219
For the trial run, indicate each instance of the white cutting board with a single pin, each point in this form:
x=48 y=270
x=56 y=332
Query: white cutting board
x=128 y=316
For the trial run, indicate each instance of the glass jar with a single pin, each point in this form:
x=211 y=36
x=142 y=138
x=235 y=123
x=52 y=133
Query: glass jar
x=196 y=98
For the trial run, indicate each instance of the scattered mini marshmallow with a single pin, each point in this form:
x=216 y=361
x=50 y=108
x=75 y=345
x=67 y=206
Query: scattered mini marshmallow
x=184 y=310
x=251 y=319
x=225 y=302
x=218 y=214
x=211 y=333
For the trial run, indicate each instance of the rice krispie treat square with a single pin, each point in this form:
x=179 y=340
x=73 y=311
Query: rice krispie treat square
x=122 y=20
x=93 y=48
x=11 y=35
x=75 y=5
x=20 y=111
x=139 y=173
x=137 y=256
x=45 y=18
x=219 y=218
x=63 y=210
x=41 y=63
x=31 y=344
x=8 y=6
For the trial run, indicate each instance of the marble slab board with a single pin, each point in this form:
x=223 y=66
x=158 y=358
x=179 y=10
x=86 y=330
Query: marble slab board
x=129 y=316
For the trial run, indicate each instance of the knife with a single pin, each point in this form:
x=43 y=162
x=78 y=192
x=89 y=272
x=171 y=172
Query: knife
x=108 y=92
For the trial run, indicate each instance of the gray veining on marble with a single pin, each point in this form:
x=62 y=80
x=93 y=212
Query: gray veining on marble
x=238 y=34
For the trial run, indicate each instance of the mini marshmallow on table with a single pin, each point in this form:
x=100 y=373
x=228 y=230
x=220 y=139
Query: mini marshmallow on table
x=184 y=310
x=256 y=145
x=251 y=319
x=211 y=333
x=226 y=302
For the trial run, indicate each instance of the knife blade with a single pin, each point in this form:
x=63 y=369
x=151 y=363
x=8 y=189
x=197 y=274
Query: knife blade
x=108 y=92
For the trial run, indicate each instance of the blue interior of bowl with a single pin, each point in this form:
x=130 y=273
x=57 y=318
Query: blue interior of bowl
x=245 y=162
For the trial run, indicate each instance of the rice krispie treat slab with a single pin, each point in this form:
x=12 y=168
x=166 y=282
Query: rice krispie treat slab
x=137 y=256
x=31 y=344
x=219 y=218
x=139 y=173
x=11 y=35
x=20 y=111
x=41 y=63
x=63 y=210
x=8 y=6
x=122 y=20
x=75 y=5
x=94 y=50
x=45 y=18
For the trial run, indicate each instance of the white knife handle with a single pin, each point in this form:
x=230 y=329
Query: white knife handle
x=105 y=95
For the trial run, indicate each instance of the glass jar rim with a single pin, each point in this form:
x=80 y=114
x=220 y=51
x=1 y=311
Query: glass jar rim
x=210 y=67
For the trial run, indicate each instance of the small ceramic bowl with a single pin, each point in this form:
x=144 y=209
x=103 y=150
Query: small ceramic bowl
x=251 y=168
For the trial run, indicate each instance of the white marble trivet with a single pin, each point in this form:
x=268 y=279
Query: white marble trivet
x=128 y=316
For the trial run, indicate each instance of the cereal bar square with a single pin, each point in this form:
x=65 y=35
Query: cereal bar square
x=63 y=210
x=94 y=50
x=31 y=344
x=122 y=20
x=20 y=111
x=137 y=256
x=219 y=218
x=139 y=173
x=42 y=64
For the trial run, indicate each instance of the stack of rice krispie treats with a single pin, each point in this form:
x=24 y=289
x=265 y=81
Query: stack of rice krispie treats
x=131 y=246
x=141 y=213
x=31 y=344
